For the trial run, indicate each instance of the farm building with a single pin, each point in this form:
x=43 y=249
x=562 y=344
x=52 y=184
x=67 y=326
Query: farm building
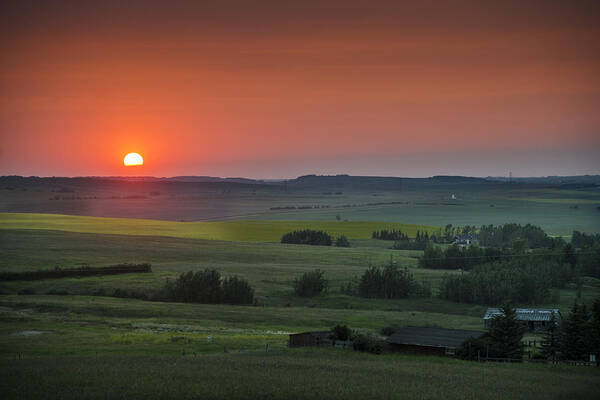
x=308 y=338
x=433 y=341
x=534 y=319
x=465 y=240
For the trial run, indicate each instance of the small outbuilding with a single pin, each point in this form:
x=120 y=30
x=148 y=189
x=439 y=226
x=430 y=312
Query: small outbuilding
x=534 y=319
x=432 y=341
x=308 y=338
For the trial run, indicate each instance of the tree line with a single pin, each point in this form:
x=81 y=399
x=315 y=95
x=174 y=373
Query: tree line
x=524 y=281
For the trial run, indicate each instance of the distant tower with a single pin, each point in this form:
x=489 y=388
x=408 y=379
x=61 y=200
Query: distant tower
x=510 y=177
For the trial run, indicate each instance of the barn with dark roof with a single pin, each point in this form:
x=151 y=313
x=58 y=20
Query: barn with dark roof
x=304 y=339
x=433 y=341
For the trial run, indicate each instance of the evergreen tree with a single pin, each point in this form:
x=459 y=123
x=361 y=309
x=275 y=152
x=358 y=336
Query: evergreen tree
x=594 y=330
x=550 y=343
x=506 y=333
x=569 y=255
x=342 y=241
x=573 y=334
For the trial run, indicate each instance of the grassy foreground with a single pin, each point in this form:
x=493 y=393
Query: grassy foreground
x=289 y=374
x=242 y=231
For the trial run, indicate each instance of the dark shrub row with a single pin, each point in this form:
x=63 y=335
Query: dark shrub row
x=70 y=272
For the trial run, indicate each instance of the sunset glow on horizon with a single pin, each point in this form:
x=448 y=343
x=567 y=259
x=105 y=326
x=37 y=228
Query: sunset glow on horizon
x=285 y=89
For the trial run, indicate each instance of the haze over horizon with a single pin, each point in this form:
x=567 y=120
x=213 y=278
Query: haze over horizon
x=279 y=90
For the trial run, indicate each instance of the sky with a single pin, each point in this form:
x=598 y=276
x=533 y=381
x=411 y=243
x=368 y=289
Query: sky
x=276 y=89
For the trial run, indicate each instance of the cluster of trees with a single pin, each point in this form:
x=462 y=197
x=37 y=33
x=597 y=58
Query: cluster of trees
x=467 y=257
x=389 y=282
x=525 y=280
x=307 y=236
x=576 y=337
x=310 y=284
x=505 y=235
x=208 y=287
x=316 y=238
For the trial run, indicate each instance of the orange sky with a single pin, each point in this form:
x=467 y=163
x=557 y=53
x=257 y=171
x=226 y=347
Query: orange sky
x=268 y=89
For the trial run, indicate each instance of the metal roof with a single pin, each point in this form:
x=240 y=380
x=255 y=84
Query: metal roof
x=432 y=337
x=526 y=314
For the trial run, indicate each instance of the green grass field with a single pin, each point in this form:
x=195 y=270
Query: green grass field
x=127 y=348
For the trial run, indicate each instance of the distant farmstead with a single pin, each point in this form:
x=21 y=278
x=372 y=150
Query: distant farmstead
x=533 y=318
x=432 y=341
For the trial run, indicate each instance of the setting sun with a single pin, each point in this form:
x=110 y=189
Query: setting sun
x=132 y=159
